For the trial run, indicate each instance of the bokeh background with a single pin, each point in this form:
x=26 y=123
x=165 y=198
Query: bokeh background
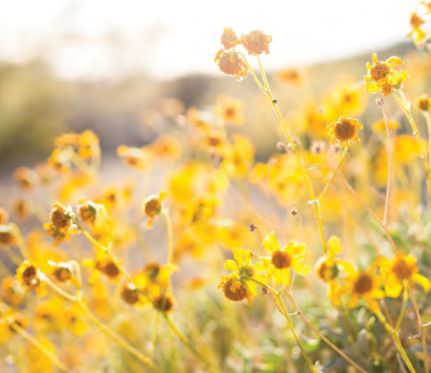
x=118 y=67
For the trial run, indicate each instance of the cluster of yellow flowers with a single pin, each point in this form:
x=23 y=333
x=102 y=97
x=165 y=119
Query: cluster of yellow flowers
x=140 y=259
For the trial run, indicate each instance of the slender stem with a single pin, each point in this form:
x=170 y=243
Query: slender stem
x=373 y=215
x=132 y=350
x=187 y=343
x=313 y=200
x=253 y=73
x=397 y=341
x=48 y=354
x=129 y=278
x=421 y=328
x=419 y=140
x=283 y=310
x=389 y=150
x=298 y=342
x=327 y=341
x=403 y=307
x=346 y=148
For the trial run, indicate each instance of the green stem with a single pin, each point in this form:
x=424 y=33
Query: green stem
x=188 y=344
x=346 y=148
x=403 y=308
x=313 y=201
x=419 y=140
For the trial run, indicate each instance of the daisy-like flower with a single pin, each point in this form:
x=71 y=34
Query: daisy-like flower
x=61 y=223
x=152 y=206
x=102 y=265
x=63 y=272
x=365 y=285
x=229 y=38
x=344 y=130
x=401 y=268
x=231 y=63
x=328 y=269
x=30 y=278
x=239 y=284
x=418 y=34
x=383 y=77
x=282 y=260
x=423 y=103
x=130 y=294
x=256 y=42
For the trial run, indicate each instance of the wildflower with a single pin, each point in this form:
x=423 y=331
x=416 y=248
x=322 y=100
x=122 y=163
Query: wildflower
x=405 y=149
x=8 y=236
x=61 y=217
x=152 y=206
x=344 y=130
x=88 y=145
x=91 y=212
x=294 y=76
x=382 y=77
x=256 y=42
x=233 y=234
x=418 y=34
x=364 y=285
x=230 y=110
x=59 y=161
x=10 y=292
x=380 y=125
x=62 y=272
x=402 y=268
x=130 y=294
x=166 y=148
x=102 y=265
x=231 y=63
x=163 y=302
x=328 y=268
x=4 y=216
x=239 y=157
x=239 y=285
x=423 y=103
x=154 y=274
x=29 y=276
x=282 y=260
x=25 y=177
x=21 y=209
x=135 y=157
x=229 y=38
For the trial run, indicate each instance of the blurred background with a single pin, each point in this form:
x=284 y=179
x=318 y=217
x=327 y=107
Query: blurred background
x=121 y=67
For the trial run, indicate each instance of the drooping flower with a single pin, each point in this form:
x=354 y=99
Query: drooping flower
x=231 y=63
x=256 y=42
x=418 y=34
x=239 y=285
x=229 y=39
x=30 y=278
x=152 y=206
x=283 y=260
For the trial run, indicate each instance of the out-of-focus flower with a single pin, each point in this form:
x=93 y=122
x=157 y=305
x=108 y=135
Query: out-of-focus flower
x=231 y=63
x=135 y=157
x=152 y=206
x=8 y=236
x=402 y=268
x=229 y=39
x=29 y=276
x=26 y=178
x=231 y=110
x=293 y=75
x=423 y=103
x=256 y=42
x=418 y=34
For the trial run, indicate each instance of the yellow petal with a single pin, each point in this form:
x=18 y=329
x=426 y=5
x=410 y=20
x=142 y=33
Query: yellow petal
x=231 y=265
x=422 y=281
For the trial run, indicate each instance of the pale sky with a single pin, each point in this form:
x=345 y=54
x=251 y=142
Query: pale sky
x=100 y=38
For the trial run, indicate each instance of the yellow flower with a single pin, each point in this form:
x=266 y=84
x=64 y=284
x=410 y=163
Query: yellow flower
x=416 y=22
x=166 y=148
x=8 y=236
x=26 y=178
x=154 y=274
x=256 y=42
x=92 y=213
x=131 y=295
x=366 y=285
x=229 y=38
x=380 y=125
x=383 y=77
x=63 y=272
x=10 y=292
x=239 y=157
x=344 y=130
x=423 y=103
x=135 y=157
x=231 y=63
x=294 y=76
x=282 y=260
x=102 y=265
x=230 y=110
x=401 y=268
x=328 y=269
x=238 y=285
x=152 y=206
x=29 y=276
